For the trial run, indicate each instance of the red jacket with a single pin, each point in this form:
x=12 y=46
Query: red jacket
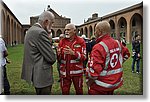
x=125 y=53
x=72 y=64
x=105 y=65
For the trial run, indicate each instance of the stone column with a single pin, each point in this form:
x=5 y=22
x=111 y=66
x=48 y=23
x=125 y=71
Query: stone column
x=117 y=31
x=128 y=37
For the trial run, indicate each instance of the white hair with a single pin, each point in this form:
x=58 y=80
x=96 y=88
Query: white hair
x=83 y=36
x=46 y=15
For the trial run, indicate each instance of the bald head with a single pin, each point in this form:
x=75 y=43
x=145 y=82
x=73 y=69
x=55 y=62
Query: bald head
x=70 y=31
x=61 y=36
x=70 y=26
x=104 y=27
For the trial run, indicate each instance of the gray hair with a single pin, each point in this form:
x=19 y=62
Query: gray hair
x=46 y=15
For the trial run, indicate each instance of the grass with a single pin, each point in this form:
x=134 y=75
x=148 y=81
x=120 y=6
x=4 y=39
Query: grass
x=133 y=83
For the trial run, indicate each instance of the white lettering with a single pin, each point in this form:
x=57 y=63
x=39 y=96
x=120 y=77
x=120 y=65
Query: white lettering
x=114 y=50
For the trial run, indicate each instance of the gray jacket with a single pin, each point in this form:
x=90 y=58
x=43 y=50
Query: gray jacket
x=38 y=58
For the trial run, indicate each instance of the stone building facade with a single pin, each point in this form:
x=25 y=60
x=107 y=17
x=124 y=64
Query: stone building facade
x=59 y=23
x=125 y=23
x=11 y=28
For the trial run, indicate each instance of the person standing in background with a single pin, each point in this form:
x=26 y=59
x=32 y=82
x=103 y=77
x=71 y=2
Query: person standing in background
x=136 y=54
x=4 y=54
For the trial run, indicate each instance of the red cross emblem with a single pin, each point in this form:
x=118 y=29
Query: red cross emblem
x=114 y=60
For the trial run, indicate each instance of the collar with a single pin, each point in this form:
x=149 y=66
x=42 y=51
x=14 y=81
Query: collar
x=102 y=37
x=38 y=24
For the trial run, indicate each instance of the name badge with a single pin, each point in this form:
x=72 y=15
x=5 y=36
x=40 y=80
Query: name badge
x=77 y=46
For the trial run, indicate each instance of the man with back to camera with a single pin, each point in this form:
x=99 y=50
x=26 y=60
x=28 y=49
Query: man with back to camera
x=104 y=72
x=72 y=53
x=38 y=55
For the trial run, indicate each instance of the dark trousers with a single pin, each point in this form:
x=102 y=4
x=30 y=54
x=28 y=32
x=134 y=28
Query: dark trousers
x=6 y=82
x=137 y=61
x=44 y=90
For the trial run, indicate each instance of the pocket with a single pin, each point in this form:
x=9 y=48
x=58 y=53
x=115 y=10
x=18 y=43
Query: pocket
x=46 y=67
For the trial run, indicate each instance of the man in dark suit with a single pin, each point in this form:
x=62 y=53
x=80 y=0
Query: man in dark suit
x=38 y=55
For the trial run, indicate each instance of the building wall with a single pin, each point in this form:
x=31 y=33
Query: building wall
x=11 y=28
x=124 y=23
x=13 y=31
x=58 y=26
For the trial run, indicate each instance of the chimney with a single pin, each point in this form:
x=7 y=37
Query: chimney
x=95 y=15
x=48 y=8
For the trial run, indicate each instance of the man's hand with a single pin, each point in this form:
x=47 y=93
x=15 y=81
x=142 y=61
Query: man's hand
x=90 y=82
x=59 y=50
x=5 y=53
x=8 y=61
x=68 y=50
x=139 y=55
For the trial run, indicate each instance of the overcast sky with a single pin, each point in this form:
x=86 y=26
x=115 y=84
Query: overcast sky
x=77 y=10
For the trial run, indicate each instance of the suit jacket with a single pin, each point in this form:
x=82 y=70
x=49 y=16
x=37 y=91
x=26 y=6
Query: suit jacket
x=38 y=58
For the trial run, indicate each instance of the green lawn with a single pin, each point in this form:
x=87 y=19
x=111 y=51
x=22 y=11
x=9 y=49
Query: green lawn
x=133 y=83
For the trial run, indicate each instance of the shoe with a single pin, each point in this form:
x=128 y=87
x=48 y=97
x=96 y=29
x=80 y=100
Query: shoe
x=7 y=93
x=132 y=71
x=138 y=72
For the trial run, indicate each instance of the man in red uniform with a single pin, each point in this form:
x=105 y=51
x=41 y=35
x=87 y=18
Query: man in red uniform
x=72 y=53
x=104 y=72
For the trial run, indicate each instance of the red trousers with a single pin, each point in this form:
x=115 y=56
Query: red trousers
x=66 y=84
x=93 y=90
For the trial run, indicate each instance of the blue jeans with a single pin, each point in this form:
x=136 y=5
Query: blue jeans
x=137 y=61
